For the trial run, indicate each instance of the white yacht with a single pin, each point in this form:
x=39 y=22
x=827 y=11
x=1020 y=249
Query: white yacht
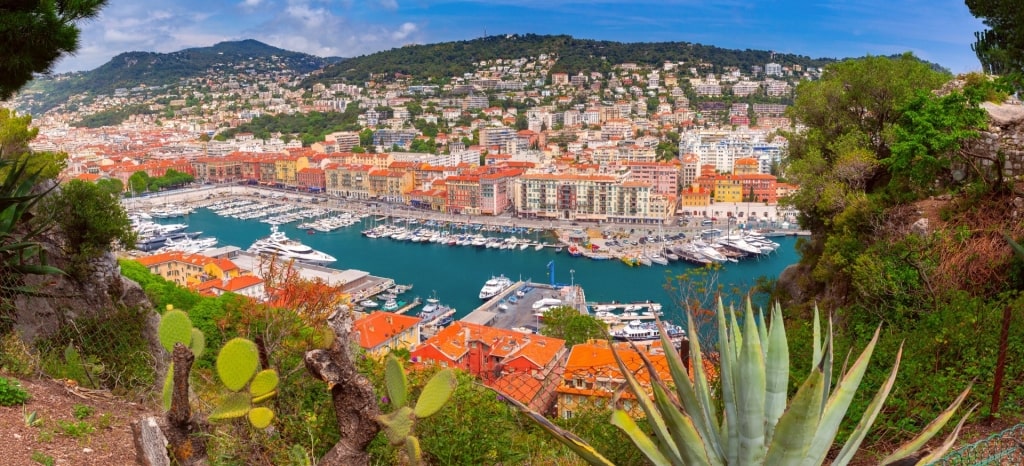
x=279 y=245
x=494 y=286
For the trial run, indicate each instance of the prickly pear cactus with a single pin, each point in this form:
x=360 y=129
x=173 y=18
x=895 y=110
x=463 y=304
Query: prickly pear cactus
x=237 y=366
x=399 y=424
x=176 y=327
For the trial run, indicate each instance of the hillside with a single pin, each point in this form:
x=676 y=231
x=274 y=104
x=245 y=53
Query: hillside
x=131 y=69
x=454 y=58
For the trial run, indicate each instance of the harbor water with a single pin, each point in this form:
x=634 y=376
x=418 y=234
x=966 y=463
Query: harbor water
x=456 y=273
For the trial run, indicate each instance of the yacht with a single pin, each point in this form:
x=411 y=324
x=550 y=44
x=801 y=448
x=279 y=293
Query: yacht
x=279 y=245
x=494 y=286
x=433 y=311
x=637 y=330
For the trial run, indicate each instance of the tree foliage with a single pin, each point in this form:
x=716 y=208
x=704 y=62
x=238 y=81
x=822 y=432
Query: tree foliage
x=1000 y=48
x=849 y=114
x=91 y=219
x=308 y=127
x=35 y=34
x=438 y=61
x=567 y=323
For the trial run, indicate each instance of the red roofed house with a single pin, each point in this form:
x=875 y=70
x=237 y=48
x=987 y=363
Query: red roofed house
x=382 y=332
x=493 y=354
x=245 y=285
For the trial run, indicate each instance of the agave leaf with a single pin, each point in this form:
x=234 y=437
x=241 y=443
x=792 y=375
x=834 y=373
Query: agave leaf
x=861 y=431
x=776 y=374
x=684 y=434
x=829 y=355
x=641 y=440
x=762 y=329
x=576 y=444
x=654 y=417
x=727 y=354
x=837 y=404
x=395 y=379
x=929 y=431
x=816 y=355
x=699 y=411
x=751 y=394
x=796 y=427
x=941 y=450
x=1017 y=248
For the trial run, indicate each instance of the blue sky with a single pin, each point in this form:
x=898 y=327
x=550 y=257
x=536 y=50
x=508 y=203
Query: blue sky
x=938 y=30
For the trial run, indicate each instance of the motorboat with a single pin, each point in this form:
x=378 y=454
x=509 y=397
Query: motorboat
x=433 y=311
x=637 y=330
x=368 y=303
x=278 y=244
x=494 y=286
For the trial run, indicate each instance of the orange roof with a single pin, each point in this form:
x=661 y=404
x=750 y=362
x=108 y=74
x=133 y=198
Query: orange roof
x=224 y=264
x=380 y=327
x=454 y=341
x=88 y=177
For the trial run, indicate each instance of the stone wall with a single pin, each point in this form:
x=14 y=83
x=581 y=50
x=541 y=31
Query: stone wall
x=1005 y=135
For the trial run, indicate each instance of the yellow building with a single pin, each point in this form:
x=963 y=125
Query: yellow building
x=382 y=332
x=286 y=169
x=728 y=188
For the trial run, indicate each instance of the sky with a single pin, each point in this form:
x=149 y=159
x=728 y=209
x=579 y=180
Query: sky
x=940 y=31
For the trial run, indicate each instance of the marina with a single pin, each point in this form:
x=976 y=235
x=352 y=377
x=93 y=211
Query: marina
x=457 y=273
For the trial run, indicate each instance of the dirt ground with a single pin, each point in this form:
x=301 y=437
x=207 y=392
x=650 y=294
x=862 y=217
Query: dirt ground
x=102 y=437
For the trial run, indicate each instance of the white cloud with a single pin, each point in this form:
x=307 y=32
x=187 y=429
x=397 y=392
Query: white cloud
x=404 y=31
x=389 y=4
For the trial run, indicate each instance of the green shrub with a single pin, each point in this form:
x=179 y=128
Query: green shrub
x=11 y=393
x=81 y=411
x=43 y=458
x=78 y=430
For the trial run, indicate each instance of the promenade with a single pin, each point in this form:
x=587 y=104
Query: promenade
x=778 y=218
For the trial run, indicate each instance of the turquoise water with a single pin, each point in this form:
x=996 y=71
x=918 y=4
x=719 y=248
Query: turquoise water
x=456 y=273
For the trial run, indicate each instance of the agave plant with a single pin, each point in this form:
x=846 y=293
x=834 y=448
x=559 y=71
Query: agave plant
x=757 y=425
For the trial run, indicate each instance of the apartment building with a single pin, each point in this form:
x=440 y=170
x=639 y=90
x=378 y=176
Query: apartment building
x=383 y=332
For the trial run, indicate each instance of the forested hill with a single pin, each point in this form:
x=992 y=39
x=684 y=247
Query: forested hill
x=574 y=55
x=131 y=69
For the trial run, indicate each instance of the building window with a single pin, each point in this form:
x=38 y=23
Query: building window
x=567 y=414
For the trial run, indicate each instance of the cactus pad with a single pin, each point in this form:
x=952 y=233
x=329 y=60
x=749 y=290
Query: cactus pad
x=198 y=344
x=263 y=384
x=397 y=424
x=232 y=406
x=175 y=327
x=412 y=449
x=260 y=417
x=237 y=363
x=436 y=393
x=168 y=387
x=394 y=377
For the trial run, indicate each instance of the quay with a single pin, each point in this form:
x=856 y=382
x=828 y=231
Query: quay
x=357 y=283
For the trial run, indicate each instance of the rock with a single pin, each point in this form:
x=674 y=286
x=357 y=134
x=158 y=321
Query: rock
x=17 y=436
x=1004 y=115
x=150 y=443
x=920 y=227
x=1018 y=202
x=87 y=450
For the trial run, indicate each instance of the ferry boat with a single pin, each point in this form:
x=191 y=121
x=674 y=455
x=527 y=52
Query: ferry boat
x=494 y=286
x=279 y=245
x=637 y=330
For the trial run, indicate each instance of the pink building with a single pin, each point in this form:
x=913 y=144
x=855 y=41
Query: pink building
x=663 y=177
